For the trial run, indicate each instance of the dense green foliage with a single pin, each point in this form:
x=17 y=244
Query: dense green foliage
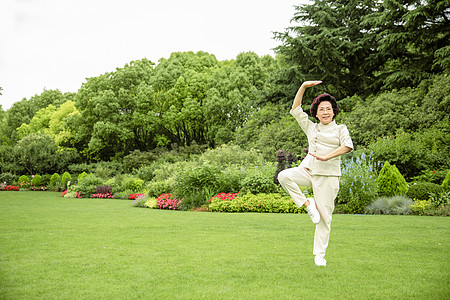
x=446 y=182
x=391 y=182
x=422 y=190
x=270 y=203
x=196 y=126
x=361 y=46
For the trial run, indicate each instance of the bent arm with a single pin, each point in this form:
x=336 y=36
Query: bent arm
x=299 y=96
x=339 y=151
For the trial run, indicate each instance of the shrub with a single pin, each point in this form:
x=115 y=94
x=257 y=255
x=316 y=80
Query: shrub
x=23 y=180
x=102 y=195
x=71 y=194
x=390 y=181
x=7 y=178
x=419 y=207
x=10 y=187
x=86 y=187
x=358 y=186
x=140 y=201
x=439 y=199
x=135 y=196
x=395 y=205
x=435 y=176
x=168 y=201
x=421 y=190
x=157 y=188
x=259 y=179
x=151 y=202
x=270 y=203
x=55 y=182
x=81 y=176
x=103 y=169
x=103 y=189
x=46 y=180
x=192 y=179
x=136 y=160
x=196 y=199
x=403 y=150
x=145 y=172
x=446 y=183
x=230 y=178
x=229 y=154
x=36 y=181
x=65 y=179
x=257 y=183
x=123 y=195
x=132 y=183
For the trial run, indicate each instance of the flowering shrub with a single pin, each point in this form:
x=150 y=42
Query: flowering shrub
x=271 y=203
x=223 y=196
x=134 y=196
x=11 y=188
x=100 y=195
x=440 y=199
x=140 y=200
x=71 y=194
x=358 y=185
x=167 y=201
x=420 y=206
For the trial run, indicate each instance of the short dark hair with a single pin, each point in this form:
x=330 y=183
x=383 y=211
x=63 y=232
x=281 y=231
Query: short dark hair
x=321 y=98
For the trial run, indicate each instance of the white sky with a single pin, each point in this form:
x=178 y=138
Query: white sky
x=56 y=44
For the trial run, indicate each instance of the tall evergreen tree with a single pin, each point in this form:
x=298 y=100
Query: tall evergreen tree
x=363 y=46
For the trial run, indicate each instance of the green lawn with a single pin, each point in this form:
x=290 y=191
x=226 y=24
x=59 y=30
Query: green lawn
x=57 y=248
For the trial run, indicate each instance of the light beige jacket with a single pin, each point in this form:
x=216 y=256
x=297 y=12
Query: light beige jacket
x=322 y=140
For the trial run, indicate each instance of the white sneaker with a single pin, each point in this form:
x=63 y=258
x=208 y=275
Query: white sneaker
x=320 y=261
x=312 y=211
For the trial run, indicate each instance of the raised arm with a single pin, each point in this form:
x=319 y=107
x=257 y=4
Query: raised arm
x=298 y=98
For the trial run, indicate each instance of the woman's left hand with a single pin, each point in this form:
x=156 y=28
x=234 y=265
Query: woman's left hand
x=319 y=157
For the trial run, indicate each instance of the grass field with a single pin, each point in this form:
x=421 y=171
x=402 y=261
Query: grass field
x=58 y=248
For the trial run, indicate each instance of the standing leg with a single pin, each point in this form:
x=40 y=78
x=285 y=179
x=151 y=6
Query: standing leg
x=325 y=190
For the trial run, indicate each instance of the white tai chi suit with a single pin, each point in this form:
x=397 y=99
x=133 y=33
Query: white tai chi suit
x=322 y=176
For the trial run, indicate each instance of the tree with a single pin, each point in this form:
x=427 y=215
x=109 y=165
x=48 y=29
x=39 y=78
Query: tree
x=19 y=113
x=330 y=43
x=391 y=182
x=412 y=40
x=40 y=122
x=363 y=46
x=38 y=153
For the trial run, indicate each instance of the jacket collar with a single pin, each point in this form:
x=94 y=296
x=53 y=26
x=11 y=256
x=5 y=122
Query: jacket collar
x=330 y=125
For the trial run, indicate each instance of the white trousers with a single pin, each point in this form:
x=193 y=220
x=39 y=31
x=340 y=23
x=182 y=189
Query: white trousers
x=325 y=189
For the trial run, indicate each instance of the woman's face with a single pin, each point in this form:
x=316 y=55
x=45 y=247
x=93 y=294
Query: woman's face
x=325 y=112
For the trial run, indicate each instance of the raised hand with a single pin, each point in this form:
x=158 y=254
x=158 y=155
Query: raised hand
x=311 y=83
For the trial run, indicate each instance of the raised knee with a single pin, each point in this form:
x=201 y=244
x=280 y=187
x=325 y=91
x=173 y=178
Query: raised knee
x=282 y=176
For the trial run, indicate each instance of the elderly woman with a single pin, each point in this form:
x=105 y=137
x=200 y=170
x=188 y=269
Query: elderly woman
x=321 y=167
